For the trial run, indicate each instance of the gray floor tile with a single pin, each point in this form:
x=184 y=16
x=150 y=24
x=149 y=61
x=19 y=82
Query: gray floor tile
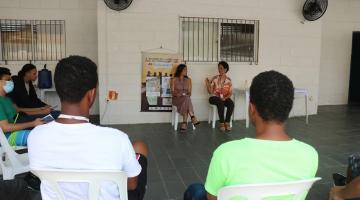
x=178 y=159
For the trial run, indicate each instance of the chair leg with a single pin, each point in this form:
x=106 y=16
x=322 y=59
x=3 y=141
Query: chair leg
x=213 y=117
x=209 y=114
x=172 y=117
x=231 y=120
x=8 y=174
x=176 y=121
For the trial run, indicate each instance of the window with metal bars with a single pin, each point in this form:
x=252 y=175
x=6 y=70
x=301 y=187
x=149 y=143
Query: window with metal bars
x=32 y=40
x=214 y=39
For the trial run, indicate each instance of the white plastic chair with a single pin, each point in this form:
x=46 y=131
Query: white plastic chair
x=175 y=118
x=260 y=191
x=11 y=162
x=92 y=177
x=213 y=115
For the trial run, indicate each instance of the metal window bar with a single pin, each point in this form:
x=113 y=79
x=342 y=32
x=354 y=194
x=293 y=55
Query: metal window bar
x=30 y=40
x=214 y=39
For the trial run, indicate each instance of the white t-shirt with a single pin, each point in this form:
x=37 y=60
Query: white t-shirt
x=81 y=146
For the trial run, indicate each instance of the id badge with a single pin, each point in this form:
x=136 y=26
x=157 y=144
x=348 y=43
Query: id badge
x=221 y=96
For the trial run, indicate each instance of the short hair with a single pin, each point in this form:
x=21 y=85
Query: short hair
x=4 y=71
x=179 y=69
x=225 y=65
x=272 y=93
x=74 y=76
x=26 y=68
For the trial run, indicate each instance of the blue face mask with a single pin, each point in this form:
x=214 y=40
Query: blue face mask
x=8 y=87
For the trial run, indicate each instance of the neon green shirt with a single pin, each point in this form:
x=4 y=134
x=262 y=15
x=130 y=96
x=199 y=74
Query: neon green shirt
x=251 y=161
x=7 y=109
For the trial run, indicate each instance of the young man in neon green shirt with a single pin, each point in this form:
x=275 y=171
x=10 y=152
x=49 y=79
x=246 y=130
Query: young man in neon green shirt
x=272 y=156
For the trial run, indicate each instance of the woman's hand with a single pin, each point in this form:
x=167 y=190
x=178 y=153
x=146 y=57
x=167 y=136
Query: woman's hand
x=45 y=110
x=207 y=82
x=37 y=122
x=208 y=86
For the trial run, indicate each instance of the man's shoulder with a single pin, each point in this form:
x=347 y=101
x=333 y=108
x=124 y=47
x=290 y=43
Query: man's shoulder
x=304 y=147
x=54 y=127
x=231 y=146
x=249 y=143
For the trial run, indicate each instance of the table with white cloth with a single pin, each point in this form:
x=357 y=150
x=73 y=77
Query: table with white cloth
x=246 y=94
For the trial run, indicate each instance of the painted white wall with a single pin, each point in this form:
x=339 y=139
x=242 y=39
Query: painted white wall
x=81 y=25
x=341 y=19
x=285 y=45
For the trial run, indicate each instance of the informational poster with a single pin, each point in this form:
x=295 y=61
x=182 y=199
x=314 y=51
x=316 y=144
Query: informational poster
x=157 y=71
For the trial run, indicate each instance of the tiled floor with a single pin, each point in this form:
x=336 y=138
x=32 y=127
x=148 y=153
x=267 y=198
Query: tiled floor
x=178 y=159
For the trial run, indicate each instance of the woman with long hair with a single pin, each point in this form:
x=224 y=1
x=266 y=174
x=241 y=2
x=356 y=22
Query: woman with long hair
x=181 y=92
x=24 y=94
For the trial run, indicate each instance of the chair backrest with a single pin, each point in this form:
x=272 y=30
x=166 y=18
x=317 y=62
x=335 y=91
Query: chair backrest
x=260 y=191
x=92 y=177
x=8 y=150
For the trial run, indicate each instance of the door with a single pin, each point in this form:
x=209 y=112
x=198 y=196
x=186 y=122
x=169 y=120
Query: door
x=354 y=85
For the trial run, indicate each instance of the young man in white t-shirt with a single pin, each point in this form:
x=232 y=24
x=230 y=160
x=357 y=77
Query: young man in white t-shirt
x=77 y=144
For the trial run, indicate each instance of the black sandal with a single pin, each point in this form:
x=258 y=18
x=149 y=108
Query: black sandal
x=182 y=126
x=194 y=121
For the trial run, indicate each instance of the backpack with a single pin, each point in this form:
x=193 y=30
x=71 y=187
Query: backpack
x=44 y=78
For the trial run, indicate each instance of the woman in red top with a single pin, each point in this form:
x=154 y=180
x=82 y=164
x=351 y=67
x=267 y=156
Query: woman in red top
x=220 y=89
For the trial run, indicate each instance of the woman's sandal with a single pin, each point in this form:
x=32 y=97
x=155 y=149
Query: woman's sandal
x=183 y=126
x=222 y=127
x=194 y=121
x=227 y=127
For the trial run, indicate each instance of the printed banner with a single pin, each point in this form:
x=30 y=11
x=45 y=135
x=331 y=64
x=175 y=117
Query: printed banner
x=157 y=70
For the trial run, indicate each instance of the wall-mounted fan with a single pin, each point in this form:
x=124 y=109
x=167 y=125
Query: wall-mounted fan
x=118 y=4
x=314 y=9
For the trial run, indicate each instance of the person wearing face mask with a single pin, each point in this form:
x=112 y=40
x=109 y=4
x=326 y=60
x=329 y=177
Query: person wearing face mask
x=16 y=133
x=220 y=89
x=24 y=96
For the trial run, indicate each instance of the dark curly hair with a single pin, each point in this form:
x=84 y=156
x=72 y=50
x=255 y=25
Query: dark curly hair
x=225 y=65
x=179 y=69
x=4 y=71
x=74 y=76
x=272 y=93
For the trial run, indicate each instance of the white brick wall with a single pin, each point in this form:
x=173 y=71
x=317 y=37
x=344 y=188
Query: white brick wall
x=285 y=45
x=115 y=41
x=81 y=25
x=341 y=19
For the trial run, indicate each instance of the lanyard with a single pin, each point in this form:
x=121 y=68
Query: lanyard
x=74 y=117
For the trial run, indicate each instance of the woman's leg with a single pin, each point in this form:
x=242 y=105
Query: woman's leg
x=230 y=109
x=220 y=107
x=185 y=117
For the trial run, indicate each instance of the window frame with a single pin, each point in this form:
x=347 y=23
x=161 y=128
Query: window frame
x=219 y=21
x=47 y=34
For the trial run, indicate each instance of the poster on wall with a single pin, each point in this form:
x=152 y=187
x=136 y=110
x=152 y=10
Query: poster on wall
x=157 y=70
